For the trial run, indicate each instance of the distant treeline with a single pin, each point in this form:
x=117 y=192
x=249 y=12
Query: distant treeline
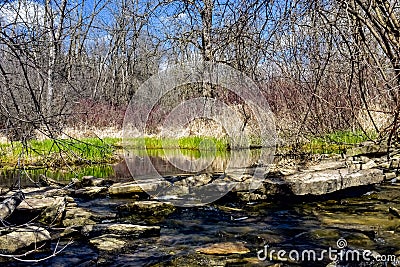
x=323 y=65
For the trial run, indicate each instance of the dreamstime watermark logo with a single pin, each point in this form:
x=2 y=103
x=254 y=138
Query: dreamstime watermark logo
x=339 y=254
x=156 y=92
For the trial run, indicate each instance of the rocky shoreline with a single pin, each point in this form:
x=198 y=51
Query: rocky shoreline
x=52 y=210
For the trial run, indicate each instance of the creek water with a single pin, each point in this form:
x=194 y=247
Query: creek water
x=359 y=216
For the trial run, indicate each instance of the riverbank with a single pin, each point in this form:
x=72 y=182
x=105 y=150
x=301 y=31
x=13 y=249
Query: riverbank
x=78 y=148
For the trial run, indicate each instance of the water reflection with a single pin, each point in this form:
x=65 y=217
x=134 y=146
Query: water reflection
x=155 y=164
x=182 y=162
x=227 y=170
x=29 y=176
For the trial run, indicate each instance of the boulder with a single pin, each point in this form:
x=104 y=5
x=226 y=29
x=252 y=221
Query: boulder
x=22 y=238
x=175 y=191
x=368 y=165
x=327 y=165
x=57 y=192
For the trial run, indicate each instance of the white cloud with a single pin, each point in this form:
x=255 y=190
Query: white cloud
x=24 y=13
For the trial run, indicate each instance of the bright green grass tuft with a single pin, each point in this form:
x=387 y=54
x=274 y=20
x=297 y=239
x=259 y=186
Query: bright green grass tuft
x=59 y=152
x=190 y=143
x=336 y=142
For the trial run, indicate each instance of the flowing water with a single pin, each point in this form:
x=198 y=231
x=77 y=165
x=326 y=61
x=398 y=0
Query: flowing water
x=359 y=217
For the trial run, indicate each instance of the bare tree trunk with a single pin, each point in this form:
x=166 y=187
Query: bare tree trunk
x=206 y=19
x=54 y=36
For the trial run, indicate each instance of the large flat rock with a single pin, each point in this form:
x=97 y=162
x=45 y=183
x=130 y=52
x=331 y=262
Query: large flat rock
x=329 y=181
x=22 y=238
x=122 y=229
x=137 y=188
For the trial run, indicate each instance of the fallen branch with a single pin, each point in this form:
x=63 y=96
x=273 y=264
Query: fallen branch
x=55 y=253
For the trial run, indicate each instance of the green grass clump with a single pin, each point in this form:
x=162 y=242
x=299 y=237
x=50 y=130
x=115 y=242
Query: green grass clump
x=336 y=142
x=57 y=152
x=189 y=143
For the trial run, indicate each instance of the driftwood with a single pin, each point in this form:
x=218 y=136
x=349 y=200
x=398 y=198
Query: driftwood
x=8 y=206
x=46 y=181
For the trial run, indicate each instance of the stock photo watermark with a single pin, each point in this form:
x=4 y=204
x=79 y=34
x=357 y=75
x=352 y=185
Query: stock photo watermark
x=232 y=117
x=340 y=253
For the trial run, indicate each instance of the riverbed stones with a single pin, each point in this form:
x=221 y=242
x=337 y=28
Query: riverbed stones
x=225 y=248
x=23 y=237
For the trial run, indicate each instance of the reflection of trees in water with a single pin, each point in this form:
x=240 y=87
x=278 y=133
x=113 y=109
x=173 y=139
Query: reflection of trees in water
x=169 y=165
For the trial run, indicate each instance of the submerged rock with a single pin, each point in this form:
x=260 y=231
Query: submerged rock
x=22 y=238
x=224 y=249
x=148 y=208
x=108 y=242
x=121 y=229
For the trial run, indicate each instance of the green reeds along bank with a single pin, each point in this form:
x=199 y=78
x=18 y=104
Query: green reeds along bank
x=59 y=152
x=190 y=143
x=336 y=142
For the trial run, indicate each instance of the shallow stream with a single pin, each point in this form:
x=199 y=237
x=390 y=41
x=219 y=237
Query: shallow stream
x=360 y=217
